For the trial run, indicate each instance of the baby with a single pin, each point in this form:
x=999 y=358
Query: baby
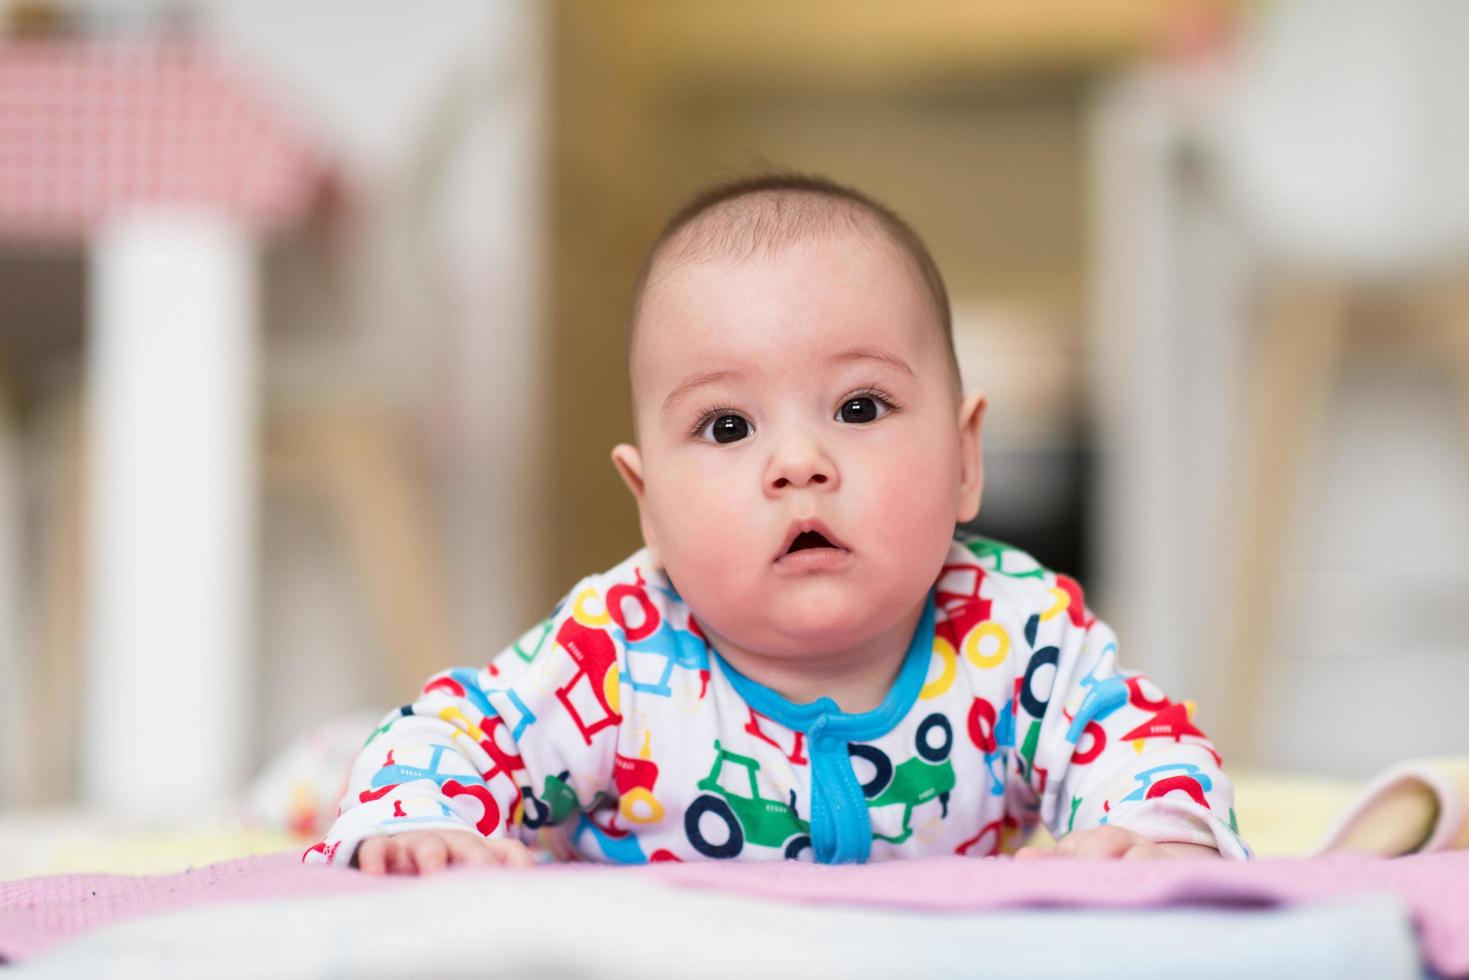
x=804 y=662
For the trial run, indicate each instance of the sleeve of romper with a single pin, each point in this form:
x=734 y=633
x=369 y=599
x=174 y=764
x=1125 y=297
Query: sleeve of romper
x=502 y=750
x=1098 y=745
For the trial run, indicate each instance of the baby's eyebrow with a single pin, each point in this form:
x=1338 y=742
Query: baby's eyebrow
x=873 y=354
x=697 y=381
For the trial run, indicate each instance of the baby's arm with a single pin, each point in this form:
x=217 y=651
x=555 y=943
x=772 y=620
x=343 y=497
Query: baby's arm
x=452 y=778
x=1113 y=766
x=426 y=775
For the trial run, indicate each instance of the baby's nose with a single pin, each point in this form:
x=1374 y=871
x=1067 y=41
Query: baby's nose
x=799 y=468
x=816 y=476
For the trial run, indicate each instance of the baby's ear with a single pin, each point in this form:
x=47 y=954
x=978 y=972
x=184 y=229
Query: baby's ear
x=971 y=462
x=629 y=464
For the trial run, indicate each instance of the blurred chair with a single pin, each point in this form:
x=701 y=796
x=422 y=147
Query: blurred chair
x=167 y=165
x=1344 y=143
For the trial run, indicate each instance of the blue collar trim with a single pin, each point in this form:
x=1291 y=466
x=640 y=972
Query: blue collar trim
x=862 y=727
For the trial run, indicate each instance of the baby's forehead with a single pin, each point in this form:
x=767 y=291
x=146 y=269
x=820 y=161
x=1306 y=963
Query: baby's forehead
x=698 y=303
x=686 y=269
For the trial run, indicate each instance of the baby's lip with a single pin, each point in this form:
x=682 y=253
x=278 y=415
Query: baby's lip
x=801 y=527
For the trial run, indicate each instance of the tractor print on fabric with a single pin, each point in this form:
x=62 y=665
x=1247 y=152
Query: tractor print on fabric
x=927 y=776
x=1185 y=778
x=794 y=750
x=556 y=802
x=1175 y=722
x=635 y=780
x=529 y=646
x=617 y=844
x=590 y=694
x=491 y=733
x=1004 y=560
x=999 y=835
x=732 y=800
x=966 y=626
x=994 y=735
x=481 y=808
x=654 y=646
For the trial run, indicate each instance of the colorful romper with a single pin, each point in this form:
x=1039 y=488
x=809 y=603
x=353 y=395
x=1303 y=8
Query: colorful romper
x=614 y=732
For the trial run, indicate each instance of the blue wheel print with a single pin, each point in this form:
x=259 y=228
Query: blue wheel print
x=882 y=767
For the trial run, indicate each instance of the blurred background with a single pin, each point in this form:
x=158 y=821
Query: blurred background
x=311 y=327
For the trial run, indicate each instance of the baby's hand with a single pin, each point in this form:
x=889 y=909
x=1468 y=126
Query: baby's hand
x=1114 y=842
x=422 y=852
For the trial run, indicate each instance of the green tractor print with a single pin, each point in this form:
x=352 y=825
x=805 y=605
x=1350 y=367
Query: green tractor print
x=747 y=819
x=1002 y=559
x=927 y=776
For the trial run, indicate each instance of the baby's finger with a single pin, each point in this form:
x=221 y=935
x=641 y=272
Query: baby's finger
x=1101 y=842
x=370 y=855
x=467 y=849
x=511 y=853
x=398 y=861
x=430 y=853
x=1036 y=853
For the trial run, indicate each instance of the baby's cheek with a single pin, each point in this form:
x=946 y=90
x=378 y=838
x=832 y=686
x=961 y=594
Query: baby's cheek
x=913 y=503
x=703 y=528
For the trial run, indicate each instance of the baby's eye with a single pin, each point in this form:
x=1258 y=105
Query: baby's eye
x=863 y=408
x=725 y=427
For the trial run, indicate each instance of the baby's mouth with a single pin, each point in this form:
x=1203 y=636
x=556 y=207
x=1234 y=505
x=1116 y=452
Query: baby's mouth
x=810 y=536
x=809 y=539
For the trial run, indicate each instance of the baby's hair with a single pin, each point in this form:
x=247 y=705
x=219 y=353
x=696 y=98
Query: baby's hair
x=766 y=212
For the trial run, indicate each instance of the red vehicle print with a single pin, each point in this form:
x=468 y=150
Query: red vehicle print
x=1094 y=747
x=490 y=819
x=647 y=618
x=795 y=753
x=989 y=840
x=635 y=780
x=323 y=849
x=1076 y=609
x=595 y=655
x=1139 y=698
x=1172 y=722
x=963 y=610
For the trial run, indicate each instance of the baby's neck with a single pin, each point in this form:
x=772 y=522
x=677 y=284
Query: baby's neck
x=857 y=678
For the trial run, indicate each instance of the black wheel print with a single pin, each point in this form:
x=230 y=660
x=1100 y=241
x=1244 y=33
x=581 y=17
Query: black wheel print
x=934 y=725
x=1028 y=700
x=735 y=839
x=882 y=767
x=796 y=846
x=534 y=813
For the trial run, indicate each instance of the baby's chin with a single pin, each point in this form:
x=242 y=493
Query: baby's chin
x=810 y=621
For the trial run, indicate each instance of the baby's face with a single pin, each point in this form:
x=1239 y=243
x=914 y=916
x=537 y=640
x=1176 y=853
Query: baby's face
x=788 y=396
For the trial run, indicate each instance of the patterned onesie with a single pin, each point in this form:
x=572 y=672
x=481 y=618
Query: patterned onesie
x=614 y=732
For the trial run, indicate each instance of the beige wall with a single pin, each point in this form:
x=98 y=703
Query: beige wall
x=973 y=132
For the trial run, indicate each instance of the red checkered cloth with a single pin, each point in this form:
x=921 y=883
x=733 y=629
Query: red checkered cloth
x=90 y=130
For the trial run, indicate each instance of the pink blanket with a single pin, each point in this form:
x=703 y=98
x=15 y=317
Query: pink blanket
x=38 y=912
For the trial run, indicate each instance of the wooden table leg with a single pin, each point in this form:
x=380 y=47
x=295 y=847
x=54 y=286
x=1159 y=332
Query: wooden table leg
x=1296 y=364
